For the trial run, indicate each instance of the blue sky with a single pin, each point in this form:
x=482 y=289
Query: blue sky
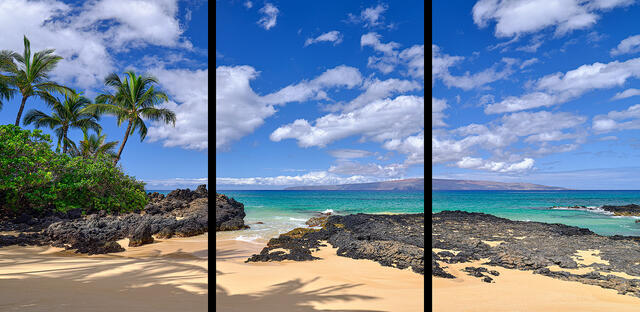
x=537 y=91
x=320 y=92
x=165 y=38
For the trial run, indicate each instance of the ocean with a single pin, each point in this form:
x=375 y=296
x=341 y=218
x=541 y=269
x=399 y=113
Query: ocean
x=282 y=211
x=537 y=206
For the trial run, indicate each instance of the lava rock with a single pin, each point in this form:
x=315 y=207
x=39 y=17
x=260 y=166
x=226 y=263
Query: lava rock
x=229 y=214
x=141 y=236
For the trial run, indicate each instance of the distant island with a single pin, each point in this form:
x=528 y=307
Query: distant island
x=446 y=184
x=397 y=185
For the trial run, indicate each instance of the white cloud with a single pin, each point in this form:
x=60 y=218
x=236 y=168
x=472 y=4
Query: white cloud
x=544 y=131
x=332 y=36
x=413 y=146
x=515 y=18
x=270 y=15
x=628 y=45
x=188 y=92
x=311 y=178
x=615 y=120
x=340 y=76
x=349 y=153
x=437 y=106
x=440 y=70
x=497 y=166
x=370 y=17
x=369 y=170
x=376 y=89
x=402 y=116
x=529 y=62
x=248 y=4
x=86 y=36
x=414 y=58
x=175 y=183
x=533 y=46
x=388 y=59
x=626 y=94
x=561 y=87
x=239 y=110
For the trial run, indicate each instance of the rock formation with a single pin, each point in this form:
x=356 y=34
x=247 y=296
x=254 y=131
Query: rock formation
x=229 y=214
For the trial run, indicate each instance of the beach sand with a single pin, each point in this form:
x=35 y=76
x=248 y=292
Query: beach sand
x=168 y=275
x=331 y=284
x=516 y=290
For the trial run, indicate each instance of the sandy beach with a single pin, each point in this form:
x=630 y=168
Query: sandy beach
x=516 y=290
x=168 y=275
x=331 y=284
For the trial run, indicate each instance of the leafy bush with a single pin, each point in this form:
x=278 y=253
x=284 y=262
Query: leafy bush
x=34 y=177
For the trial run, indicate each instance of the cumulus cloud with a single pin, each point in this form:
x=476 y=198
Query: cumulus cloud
x=248 y=4
x=626 y=94
x=376 y=89
x=332 y=36
x=387 y=58
x=188 y=91
x=544 y=131
x=442 y=62
x=311 y=178
x=498 y=166
x=86 y=36
x=239 y=110
x=369 y=170
x=437 y=106
x=562 y=87
x=269 y=16
x=402 y=116
x=628 y=45
x=370 y=17
x=618 y=120
x=515 y=18
x=414 y=58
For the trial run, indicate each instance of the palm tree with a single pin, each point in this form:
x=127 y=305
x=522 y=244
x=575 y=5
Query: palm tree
x=5 y=89
x=94 y=145
x=134 y=98
x=30 y=75
x=69 y=114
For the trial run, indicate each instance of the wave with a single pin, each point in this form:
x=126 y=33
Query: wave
x=328 y=211
x=595 y=209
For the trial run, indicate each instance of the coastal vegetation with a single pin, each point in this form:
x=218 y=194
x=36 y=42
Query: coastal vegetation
x=35 y=178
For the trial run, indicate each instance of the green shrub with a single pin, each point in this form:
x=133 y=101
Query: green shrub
x=34 y=177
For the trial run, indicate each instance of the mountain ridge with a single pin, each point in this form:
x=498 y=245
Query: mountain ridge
x=452 y=185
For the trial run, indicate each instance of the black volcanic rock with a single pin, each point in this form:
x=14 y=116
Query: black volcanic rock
x=185 y=213
x=626 y=210
x=535 y=246
x=229 y=214
x=391 y=240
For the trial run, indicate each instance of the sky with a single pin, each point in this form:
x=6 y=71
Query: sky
x=164 y=38
x=537 y=91
x=318 y=92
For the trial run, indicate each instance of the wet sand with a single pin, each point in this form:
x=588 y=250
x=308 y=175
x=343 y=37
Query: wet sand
x=168 y=275
x=331 y=284
x=516 y=290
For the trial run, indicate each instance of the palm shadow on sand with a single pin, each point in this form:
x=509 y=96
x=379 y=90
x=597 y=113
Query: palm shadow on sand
x=287 y=296
x=97 y=284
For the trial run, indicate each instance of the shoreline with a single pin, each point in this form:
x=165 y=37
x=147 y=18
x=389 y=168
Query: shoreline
x=167 y=275
x=332 y=283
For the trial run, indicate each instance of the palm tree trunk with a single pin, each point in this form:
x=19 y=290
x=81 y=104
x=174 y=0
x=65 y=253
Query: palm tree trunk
x=24 y=100
x=124 y=141
x=64 y=140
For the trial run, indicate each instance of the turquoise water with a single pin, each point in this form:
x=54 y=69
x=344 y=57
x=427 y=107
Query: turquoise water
x=282 y=211
x=535 y=206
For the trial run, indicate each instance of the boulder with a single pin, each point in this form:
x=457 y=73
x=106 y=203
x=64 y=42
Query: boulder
x=141 y=236
x=229 y=214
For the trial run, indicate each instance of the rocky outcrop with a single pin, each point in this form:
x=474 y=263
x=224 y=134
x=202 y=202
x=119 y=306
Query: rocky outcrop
x=181 y=213
x=548 y=249
x=229 y=214
x=391 y=240
x=626 y=210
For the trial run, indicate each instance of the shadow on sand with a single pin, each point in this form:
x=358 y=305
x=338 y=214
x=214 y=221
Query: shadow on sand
x=287 y=296
x=41 y=282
